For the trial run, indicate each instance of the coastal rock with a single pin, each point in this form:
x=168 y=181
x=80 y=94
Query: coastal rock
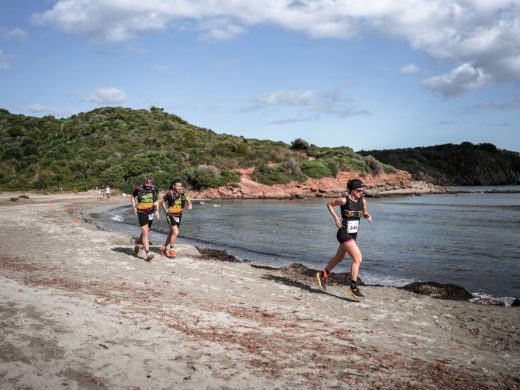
x=488 y=302
x=450 y=292
x=516 y=302
x=217 y=254
x=301 y=273
x=399 y=183
x=186 y=250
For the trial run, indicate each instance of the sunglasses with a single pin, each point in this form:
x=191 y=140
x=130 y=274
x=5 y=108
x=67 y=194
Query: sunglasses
x=359 y=191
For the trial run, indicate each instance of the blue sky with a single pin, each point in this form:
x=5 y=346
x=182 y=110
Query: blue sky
x=373 y=74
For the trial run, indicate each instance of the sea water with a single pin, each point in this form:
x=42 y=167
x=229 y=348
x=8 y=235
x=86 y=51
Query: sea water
x=469 y=239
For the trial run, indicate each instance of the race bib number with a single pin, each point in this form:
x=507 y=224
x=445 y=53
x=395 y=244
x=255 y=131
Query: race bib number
x=150 y=217
x=352 y=226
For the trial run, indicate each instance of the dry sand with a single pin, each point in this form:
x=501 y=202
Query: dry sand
x=79 y=310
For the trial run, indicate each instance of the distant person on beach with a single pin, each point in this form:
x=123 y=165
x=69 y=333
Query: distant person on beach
x=107 y=190
x=173 y=203
x=353 y=206
x=145 y=202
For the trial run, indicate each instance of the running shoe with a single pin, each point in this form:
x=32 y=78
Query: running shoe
x=163 y=251
x=172 y=253
x=321 y=279
x=149 y=256
x=355 y=292
x=136 y=249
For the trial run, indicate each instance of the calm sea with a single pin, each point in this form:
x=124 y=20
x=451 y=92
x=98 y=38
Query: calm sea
x=469 y=239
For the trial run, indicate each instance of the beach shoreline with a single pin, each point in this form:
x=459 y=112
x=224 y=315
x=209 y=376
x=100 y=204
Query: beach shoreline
x=79 y=309
x=119 y=219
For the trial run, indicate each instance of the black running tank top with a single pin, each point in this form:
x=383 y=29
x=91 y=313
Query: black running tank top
x=352 y=210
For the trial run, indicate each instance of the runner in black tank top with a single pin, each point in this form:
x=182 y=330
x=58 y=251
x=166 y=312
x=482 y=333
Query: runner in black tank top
x=351 y=213
x=353 y=207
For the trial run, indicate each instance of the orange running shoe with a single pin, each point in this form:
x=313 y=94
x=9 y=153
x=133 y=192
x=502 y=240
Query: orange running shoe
x=322 y=279
x=163 y=251
x=172 y=253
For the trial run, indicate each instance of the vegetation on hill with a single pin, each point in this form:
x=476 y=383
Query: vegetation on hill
x=116 y=146
x=464 y=164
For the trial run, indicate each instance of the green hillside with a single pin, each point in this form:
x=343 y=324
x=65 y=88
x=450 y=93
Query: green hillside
x=464 y=164
x=116 y=146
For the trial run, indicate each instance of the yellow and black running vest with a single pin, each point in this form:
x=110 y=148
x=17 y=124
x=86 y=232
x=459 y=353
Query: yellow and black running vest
x=146 y=197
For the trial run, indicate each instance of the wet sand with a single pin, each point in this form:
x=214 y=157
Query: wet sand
x=80 y=310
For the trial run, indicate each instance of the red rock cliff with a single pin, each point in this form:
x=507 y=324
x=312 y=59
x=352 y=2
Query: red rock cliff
x=399 y=183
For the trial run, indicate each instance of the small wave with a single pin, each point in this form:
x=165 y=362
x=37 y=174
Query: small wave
x=507 y=300
x=216 y=205
x=386 y=280
x=202 y=202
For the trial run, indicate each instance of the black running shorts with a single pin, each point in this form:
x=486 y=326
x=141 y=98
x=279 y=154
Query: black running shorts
x=173 y=221
x=145 y=219
x=343 y=236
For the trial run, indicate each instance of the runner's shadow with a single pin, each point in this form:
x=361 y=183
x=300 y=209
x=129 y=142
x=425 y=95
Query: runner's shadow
x=130 y=251
x=303 y=286
x=125 y=250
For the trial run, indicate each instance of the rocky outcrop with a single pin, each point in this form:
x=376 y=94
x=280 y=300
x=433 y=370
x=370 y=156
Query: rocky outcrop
x=488 y=302
x=303 y=274
x=217 y=254
x=399 y=183
x=450 y=292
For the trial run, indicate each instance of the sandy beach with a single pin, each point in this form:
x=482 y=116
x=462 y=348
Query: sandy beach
x=80 y=311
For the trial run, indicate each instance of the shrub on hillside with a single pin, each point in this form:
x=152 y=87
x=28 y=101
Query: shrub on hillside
x=200 y=180
x=113 y=176
x=271 y=175
x=299 y=144
x=333 y=167
x=375 y=166
x=315 y=169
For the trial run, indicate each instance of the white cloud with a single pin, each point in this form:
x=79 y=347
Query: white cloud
x=220 y=29
x=460 y=80
x=36 y=107
x=290 y=98
x=106 y=96
x=16 y=34
x=485 y=33
x=41 y=109
x=5 y=60
x=410 y=68
x=294 y=120
x=329 y=103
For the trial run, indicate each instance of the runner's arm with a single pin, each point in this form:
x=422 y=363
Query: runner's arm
x=365 y=211
x=187 y=198
x=133 y=205
x=164 y=206
x=135 y=193
x=330 y=207
x=156 y=206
